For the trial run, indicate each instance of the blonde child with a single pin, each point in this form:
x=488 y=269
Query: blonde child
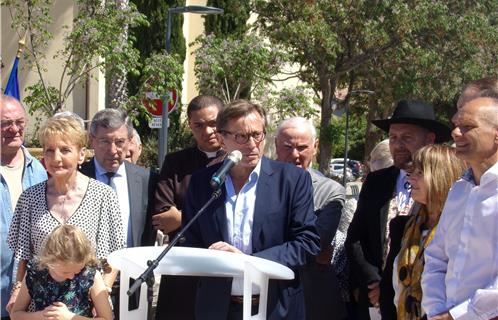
x=63 y=283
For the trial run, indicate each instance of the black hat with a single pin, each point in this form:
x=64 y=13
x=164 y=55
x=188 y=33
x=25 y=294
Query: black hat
x=418 y=113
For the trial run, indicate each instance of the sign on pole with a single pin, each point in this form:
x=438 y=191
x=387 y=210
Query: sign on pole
x=154 y=104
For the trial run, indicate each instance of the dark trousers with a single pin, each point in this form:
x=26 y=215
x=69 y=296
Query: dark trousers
x=236 y=310
x=176 y=300
x=322 y=297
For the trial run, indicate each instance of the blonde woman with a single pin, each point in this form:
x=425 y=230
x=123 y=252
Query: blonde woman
x=67 y=197
x=434 y=169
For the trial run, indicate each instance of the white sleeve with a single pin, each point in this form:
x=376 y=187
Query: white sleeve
x=433 y=277
x=483 y=305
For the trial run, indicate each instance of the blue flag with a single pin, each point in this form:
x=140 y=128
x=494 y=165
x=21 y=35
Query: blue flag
x=12 y=88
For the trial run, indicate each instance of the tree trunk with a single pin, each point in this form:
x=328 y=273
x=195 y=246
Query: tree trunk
x=117 y=82
x=373 y=135
x=327 y=87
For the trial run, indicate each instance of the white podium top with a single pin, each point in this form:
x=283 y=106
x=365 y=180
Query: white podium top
x=195 y=262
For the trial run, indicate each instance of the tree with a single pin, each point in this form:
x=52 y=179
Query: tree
x=233 y=21
x=227 y=67
x=151 y=41
x=89 y=44
x=150 y=38
x=421 y=49
x=116 y=82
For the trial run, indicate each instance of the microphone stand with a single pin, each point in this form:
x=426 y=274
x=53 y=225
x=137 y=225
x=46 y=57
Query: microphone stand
x=148 y=275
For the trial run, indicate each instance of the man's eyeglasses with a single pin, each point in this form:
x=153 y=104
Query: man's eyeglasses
x=242 y=138
x=20 y=123
x=105 y=143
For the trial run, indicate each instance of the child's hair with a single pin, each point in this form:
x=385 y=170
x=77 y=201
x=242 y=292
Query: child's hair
x=66 y=244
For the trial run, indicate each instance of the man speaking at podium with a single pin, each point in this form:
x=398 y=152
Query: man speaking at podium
x=265 y=210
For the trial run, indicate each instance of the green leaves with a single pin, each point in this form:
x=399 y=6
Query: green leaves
x=161 y=72
x=97 y=38
x=230 y=67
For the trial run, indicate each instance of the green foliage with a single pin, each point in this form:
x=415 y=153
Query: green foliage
x=151 y=38
x=89 y=43
x=286 y=103
x=418 y=49
x=161 y=73
x=227 y=67
x=233 y=22
x=40 y=98
x=356 y=137
x=31 y=19
x=151 y=42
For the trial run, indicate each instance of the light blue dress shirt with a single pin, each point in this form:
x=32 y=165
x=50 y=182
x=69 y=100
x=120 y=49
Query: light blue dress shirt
x=33 y=173
x=461 y=263
x=239 y=210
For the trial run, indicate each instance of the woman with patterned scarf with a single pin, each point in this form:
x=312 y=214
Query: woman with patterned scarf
x=434 y=169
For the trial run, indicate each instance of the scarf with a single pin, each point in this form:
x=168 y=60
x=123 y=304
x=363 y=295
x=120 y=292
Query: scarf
x=411 y=264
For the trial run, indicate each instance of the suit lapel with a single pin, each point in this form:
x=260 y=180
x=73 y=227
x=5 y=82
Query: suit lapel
x=263 y=192
x=390 y=193
x=137 y=214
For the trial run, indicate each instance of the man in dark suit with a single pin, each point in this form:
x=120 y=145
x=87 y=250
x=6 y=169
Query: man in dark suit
x=384 y=204
x=265 y=210
x=177 y=294
x=296 y=143
x=110 y=134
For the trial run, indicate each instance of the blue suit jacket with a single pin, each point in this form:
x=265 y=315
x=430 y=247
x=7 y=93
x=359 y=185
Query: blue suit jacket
x=283 y=231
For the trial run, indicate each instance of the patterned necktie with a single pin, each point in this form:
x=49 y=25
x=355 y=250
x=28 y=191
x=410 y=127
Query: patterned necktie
x=109 y=176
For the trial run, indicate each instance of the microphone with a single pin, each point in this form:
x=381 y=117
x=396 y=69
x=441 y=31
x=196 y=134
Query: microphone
x=219 y=177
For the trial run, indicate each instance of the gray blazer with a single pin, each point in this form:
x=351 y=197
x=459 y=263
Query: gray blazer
x=140 y=193
x=328 y=197
x=322 y=295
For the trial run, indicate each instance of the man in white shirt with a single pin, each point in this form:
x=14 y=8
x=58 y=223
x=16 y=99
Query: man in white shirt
x=460 y=279
x=265 y=210
x=110 y=135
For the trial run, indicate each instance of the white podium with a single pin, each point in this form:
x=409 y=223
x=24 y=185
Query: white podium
x=132 y=262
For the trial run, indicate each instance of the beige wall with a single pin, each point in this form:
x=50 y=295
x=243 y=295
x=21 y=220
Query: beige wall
x=63 y=12
x=193 y=26
x=85 y=100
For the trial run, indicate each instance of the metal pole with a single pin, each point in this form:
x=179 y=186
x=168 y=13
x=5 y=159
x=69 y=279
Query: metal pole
x=346 y=136
x=163 y=132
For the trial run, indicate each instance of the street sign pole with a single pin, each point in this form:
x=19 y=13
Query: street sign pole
x=163 y=131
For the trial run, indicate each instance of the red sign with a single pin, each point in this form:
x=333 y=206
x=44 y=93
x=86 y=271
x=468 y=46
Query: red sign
x=156 y=109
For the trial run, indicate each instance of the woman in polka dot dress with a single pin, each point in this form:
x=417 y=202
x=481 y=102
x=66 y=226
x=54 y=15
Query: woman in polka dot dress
x=67 y=197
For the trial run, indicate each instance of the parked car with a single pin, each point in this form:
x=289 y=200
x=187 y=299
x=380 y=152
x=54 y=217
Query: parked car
x=337 y=171
x=354 y=168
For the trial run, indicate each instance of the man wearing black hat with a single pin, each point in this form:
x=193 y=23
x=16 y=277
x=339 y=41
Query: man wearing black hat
x=384 y=204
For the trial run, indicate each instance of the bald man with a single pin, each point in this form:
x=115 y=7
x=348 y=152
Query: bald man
x=460 y=278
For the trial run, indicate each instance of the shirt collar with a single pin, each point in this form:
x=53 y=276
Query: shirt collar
x=100 y=171
x=212 y=154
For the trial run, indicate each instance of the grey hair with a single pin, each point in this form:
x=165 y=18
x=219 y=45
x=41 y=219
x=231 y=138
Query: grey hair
x=69 y=114
x=380 y=156
x=110 y=119
x=137 y=136
x=297 y=122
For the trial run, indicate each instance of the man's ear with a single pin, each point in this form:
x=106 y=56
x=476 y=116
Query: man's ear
x=316 y=145
x=221 y=139
x=91 y=140
x=430 y=138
